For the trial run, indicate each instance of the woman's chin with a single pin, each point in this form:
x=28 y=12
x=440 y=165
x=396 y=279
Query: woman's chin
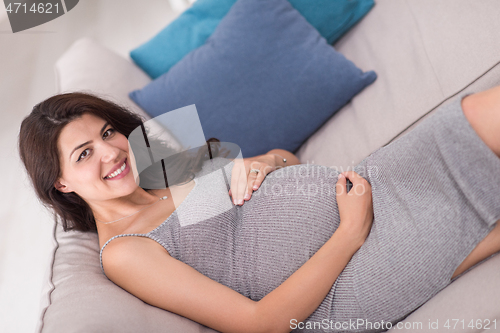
x=122 y=187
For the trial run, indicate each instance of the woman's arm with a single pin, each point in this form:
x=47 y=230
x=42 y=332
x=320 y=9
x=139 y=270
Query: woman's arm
x=302 y=293
x=143 y=268
x=291 y=159
x=146 y=270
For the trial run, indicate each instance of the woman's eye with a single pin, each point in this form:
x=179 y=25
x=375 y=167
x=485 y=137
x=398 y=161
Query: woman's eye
x=84 y=154
x=108 y=133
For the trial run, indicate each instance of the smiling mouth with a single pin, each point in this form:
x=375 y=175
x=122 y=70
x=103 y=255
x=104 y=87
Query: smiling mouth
x=117 y=171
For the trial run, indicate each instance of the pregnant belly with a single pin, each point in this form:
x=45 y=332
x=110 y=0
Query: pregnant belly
x=285 y=222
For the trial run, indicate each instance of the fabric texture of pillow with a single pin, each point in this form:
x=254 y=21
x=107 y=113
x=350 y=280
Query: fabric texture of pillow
x=271 y=89
x=192 y=28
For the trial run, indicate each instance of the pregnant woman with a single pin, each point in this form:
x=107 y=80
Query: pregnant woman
x=302 y=253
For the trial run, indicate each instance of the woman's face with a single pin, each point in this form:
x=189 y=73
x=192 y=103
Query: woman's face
x=95 y=160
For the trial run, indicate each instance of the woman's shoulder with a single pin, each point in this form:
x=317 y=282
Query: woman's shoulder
x=109 y=240
x=121 y=250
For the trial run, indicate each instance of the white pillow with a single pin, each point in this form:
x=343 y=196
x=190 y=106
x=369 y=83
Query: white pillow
x=89 y=67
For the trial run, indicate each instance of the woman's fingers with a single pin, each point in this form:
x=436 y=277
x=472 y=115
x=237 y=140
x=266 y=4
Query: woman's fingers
x=252 y=181
x=259 y=179
x=341 y=189
x=359 y=184
x=244 y=181
x=353 y=176
x=238 y=182
x=355 y=206
x=264 y=169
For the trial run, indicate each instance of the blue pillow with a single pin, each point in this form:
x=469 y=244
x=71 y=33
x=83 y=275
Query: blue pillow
x=332 y=18
x=271 y=89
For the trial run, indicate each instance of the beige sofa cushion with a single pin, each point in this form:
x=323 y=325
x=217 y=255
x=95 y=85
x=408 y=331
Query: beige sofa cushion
x=83 y=299
x=474 y=296
x=423 y=53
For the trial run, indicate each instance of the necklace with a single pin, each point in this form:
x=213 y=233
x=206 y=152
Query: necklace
x=154 y=203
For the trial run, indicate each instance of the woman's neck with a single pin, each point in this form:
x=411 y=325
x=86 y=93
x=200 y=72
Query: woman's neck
x=143 y=218
x=123 y=210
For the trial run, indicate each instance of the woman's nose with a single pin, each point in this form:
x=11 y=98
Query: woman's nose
x=109 y=153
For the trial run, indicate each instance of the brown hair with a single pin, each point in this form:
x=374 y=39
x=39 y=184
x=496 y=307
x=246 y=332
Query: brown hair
x=39 y=152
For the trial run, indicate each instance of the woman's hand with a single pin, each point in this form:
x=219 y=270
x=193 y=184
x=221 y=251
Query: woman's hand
x=355 y=207
x=244 y=182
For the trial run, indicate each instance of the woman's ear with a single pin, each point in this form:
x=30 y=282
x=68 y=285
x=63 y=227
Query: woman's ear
x=61 y=187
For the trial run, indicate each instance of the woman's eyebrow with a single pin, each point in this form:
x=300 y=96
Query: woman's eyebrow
x=78 y=147
x=104 y=127
x=86 y=143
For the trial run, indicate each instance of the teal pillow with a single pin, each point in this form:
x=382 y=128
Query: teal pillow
x=332 y=18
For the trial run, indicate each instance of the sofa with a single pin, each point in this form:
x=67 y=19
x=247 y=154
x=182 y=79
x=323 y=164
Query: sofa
x=425 y=53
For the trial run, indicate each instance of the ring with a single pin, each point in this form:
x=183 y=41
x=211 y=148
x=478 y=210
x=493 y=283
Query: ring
x=255 y=170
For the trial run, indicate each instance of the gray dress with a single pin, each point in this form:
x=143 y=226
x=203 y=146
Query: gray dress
x=435 y=193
